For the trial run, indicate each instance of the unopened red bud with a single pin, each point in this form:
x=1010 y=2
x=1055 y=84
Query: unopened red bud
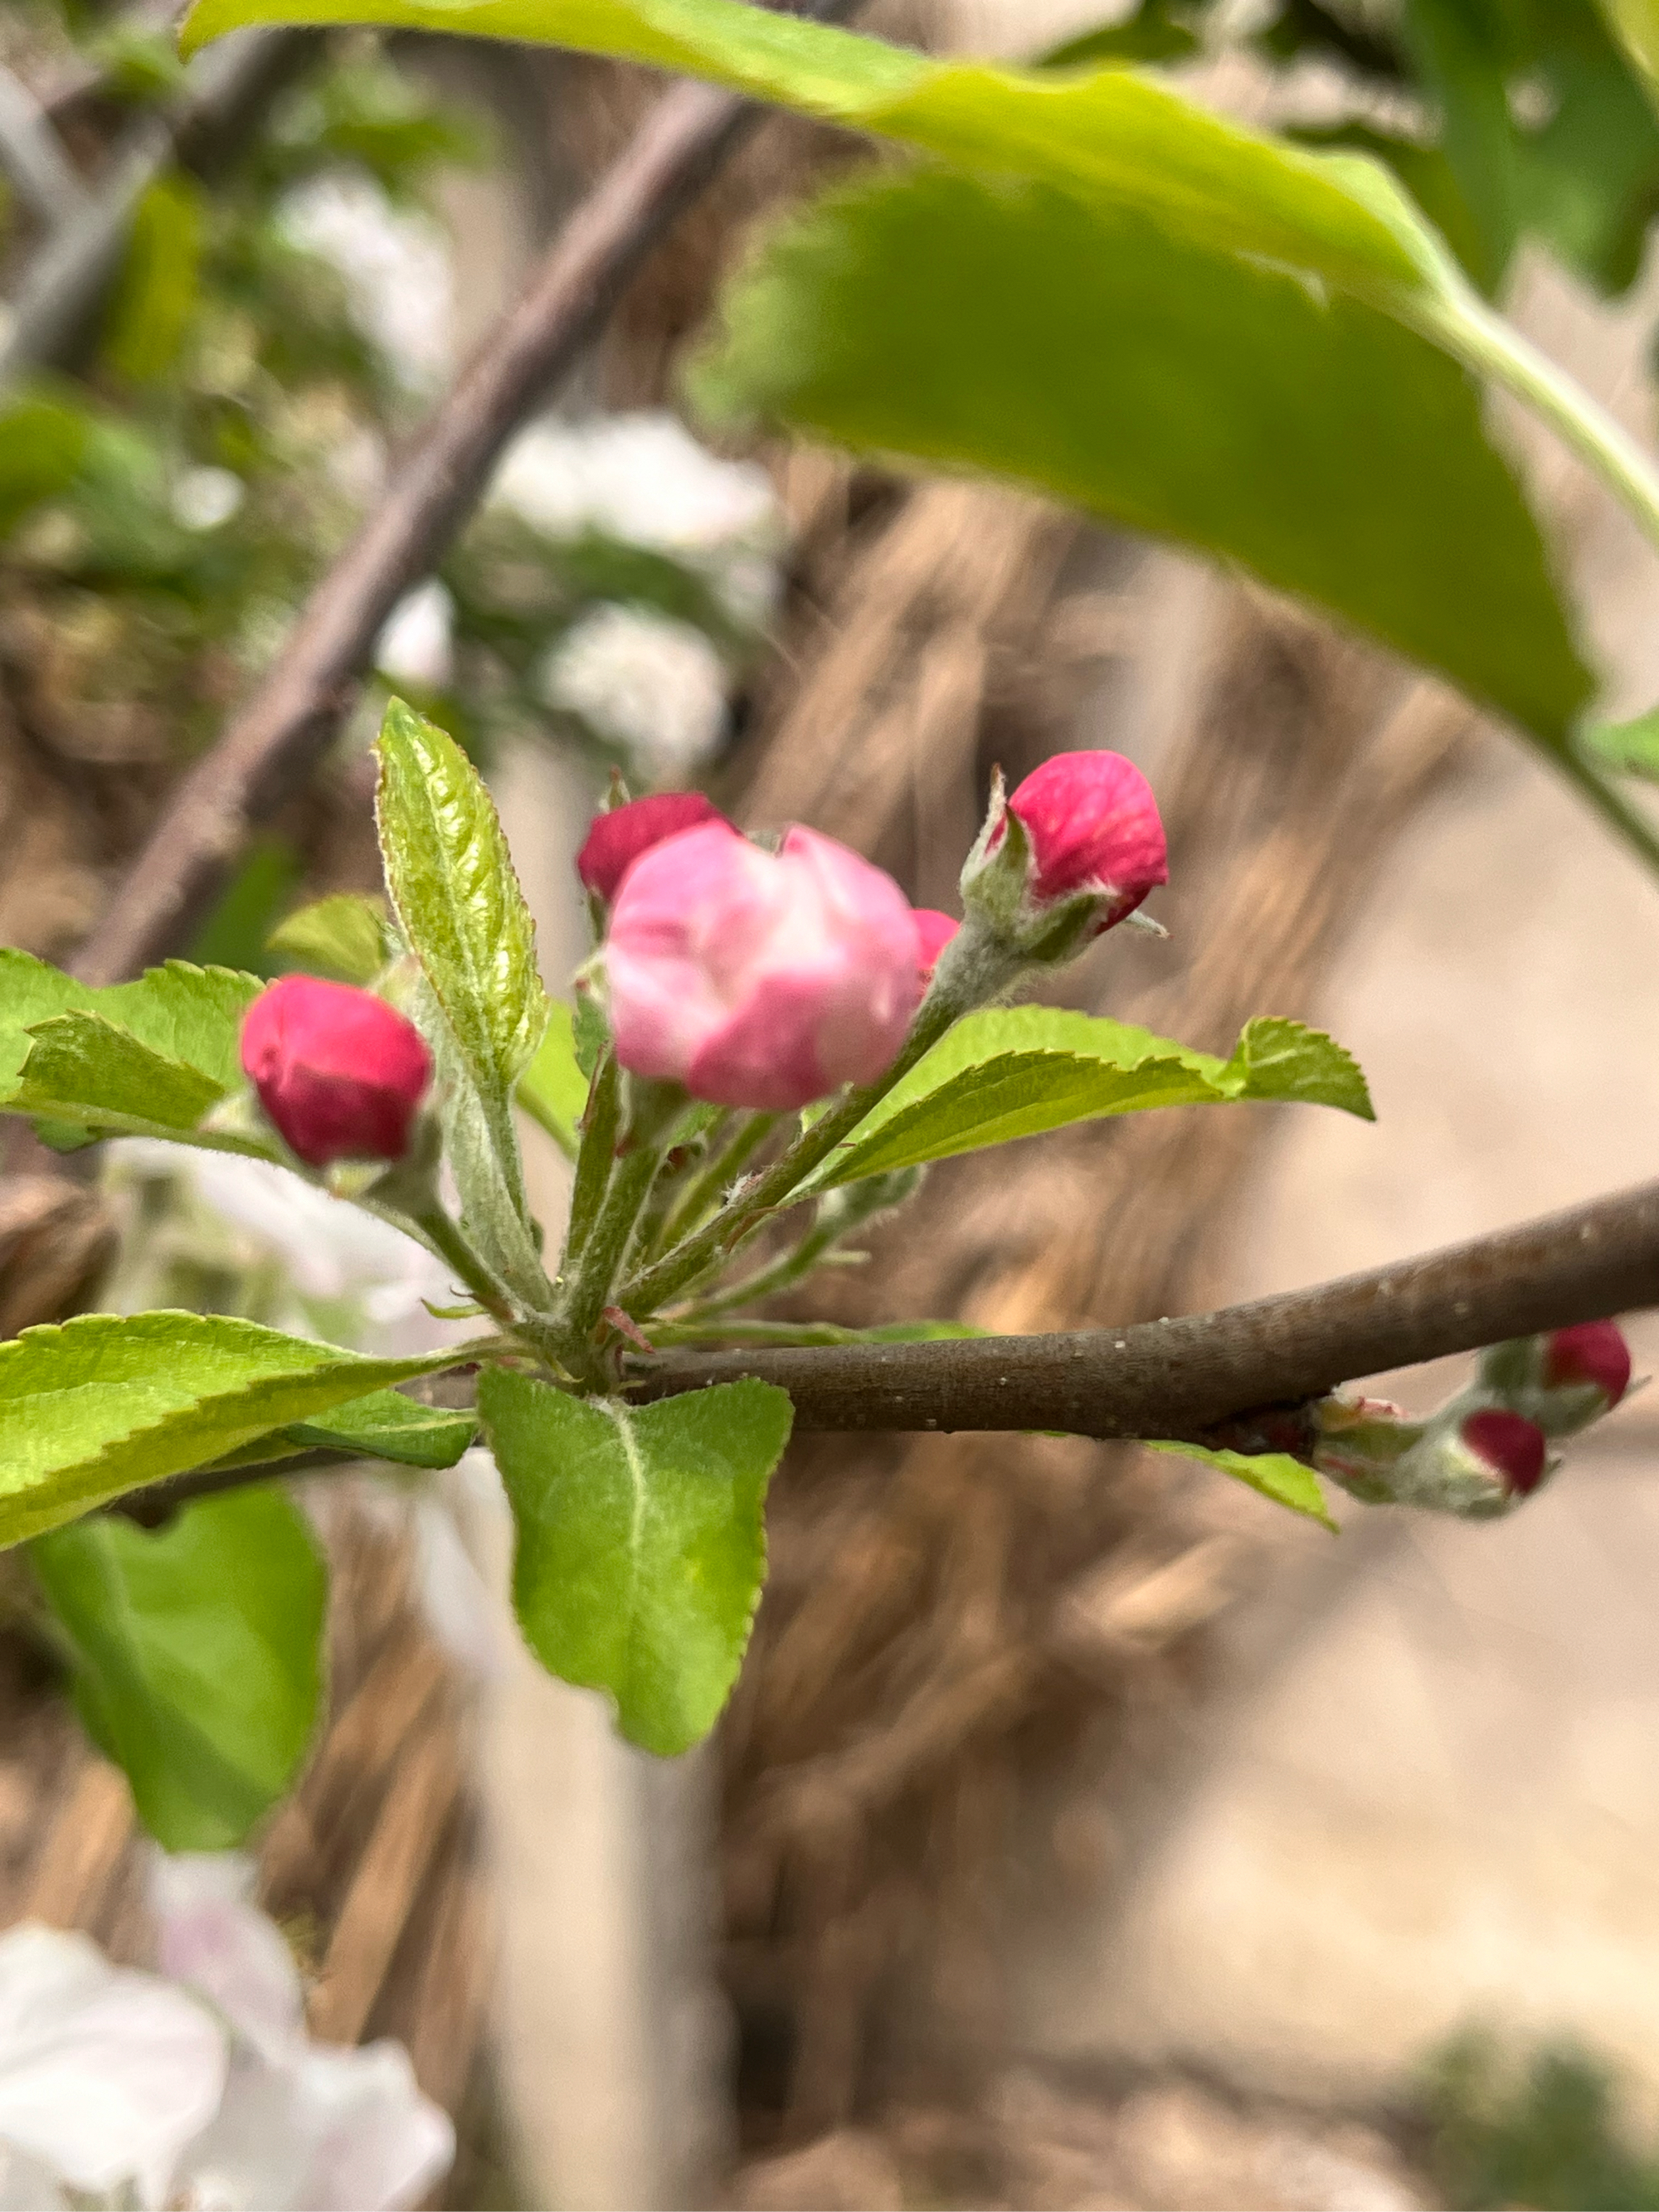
x=1594 y=1353
x=617 y=839
x=339 y=1072
x=1509 y=1444
x=1094 y=826
x=933 y=933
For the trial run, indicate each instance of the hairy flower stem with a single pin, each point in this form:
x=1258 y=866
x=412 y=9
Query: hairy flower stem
x=594 y=1155
x=722 y=1168
x=446 y=1239
x=743 y=1213
x=595 y=1268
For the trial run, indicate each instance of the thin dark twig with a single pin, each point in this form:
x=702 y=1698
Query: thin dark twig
x=1182 y=1378
x=273 y=743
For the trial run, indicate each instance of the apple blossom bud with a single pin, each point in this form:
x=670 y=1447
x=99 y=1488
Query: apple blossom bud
x=1507 y=1445
x=933 y=933
x=1094 y=827
x=1562 y=1382
x=1072 y=853
x=339 y=1072
x=759 y=978
x=1594 y=1355
x=617 y=839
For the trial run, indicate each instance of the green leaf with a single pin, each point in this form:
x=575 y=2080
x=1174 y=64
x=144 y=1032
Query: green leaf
x=1226 y=404
x=197 y=1656
x=553 y=1089
x=1112 y=138
x=1016 y=1072
x=1275 y=1474
x=1635 y=24
x=107 y=1403
x=1458 y=51
x=347 y=937
x=1153 y=33
x=1284 y=1059
x=155 y=296
x=1629 y=748
x=42 y=443
x=84 y=1070
x=194 y=1015
x=482 y=1008
x=387 y=1425
x=456 y=896
x=641 y=1545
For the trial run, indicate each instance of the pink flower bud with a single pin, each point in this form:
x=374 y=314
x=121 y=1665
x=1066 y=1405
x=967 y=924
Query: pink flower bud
x=759 y=978
x=617 y=839
x=933 y=933
x=1094 y=826
x=337 y=1071
x=1509 y=1444
x=1594 y=1353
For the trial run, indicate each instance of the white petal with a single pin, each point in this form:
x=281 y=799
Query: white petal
x=211 y=1938
x=378 y=2143
x=105 y=2074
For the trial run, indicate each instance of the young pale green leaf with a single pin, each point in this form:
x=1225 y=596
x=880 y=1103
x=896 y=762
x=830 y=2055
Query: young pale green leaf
x=196 y=1656
x=183 y=1014
x=456 y=898
x=553 y=1089
x=347 y=937
x=1111 y=138
x=1016 y=1072
x=481 y=1003
x=387 y=1425
x=1275 y=1474
x=107 y=1403
x=641 y=1544
x=85 y=1070
x=1221 y=403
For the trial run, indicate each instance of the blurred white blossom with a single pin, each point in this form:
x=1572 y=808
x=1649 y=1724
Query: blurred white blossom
x=204 y=498
x=198 y=2087
x=395 y=262
x=640 y=477
x=417 y=644
x=331 y=1252
x=646 y=682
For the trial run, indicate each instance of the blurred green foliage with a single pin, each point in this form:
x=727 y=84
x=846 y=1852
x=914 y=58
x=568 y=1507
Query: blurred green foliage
x=1515 y=117
x=1545 y=2133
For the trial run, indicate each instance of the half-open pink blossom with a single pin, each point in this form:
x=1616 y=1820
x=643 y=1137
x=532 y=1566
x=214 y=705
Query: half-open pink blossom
x=1094 y=826
x=933 y=933
x=1594 y=1352
x=759 y=978
x=339 y=1072
x=617 y=839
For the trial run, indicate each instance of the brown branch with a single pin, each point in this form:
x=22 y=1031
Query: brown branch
x=1238 y=1378
x=271 y=747
x=1183 y=1378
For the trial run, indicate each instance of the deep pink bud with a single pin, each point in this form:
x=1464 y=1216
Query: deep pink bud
x=339 y=1071
x=1512 y=1446
x=933 y=933
x=617 y=839
x=1594 y=1353
x=759 y=978
x=1094 y=826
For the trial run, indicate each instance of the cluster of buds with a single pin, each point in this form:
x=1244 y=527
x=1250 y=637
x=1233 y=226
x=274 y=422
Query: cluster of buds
x=768 y=978
x=1485 y=1452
